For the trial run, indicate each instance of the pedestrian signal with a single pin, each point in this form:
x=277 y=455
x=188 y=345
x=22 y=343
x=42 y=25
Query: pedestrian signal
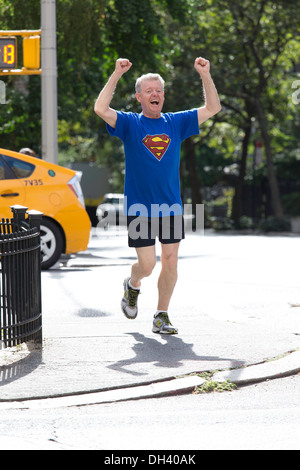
x=8 y=53
x=31 y=53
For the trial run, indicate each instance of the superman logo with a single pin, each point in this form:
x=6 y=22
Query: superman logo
x=157 y=144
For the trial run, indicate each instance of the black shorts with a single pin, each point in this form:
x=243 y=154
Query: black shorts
x=143 y=231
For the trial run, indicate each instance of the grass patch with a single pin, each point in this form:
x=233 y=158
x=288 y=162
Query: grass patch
x=211 y=386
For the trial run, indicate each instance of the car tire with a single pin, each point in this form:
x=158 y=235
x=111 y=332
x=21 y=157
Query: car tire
x=51 y=243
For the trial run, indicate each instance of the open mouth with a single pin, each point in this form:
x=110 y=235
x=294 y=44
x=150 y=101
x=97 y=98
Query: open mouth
x=154 y=102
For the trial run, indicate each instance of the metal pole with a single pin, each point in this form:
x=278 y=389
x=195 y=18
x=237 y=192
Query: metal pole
x=49 y=81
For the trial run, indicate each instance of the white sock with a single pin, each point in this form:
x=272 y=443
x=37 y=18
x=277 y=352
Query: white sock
x=131 y=286
x=158 y=312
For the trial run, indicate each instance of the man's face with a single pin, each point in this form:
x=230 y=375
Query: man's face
x=151 y=98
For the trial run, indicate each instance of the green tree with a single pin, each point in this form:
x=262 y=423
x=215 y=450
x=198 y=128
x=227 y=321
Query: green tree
x=259 y=34
x=252 y=46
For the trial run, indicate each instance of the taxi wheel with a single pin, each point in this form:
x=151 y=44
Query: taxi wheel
x=51 y=243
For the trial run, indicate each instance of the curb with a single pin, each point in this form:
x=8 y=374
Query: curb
x=288 y=365
x=160 y=389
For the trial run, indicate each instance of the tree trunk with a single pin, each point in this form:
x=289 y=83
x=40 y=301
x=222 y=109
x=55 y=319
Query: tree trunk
x=190 y=158
x=273 y=182
x=237 y=199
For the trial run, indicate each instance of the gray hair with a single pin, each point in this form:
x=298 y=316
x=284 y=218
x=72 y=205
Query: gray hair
x=147 y=77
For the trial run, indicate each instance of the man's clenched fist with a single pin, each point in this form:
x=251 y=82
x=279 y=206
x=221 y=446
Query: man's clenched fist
x=122 y=66
x=202 y=65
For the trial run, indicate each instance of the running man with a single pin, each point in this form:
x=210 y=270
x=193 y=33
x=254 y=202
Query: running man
x=152 y=142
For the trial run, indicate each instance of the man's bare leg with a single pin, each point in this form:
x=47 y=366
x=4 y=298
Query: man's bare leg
x=166 y=283
x=144 y=266
x=168 y=276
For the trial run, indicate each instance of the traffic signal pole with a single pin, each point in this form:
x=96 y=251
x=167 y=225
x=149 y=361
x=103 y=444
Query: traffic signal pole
x=49 y=81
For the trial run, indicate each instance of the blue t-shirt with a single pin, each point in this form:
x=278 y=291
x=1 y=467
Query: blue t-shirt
x=152 y=159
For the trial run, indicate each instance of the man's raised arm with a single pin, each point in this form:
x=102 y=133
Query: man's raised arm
x=102 y=105
x=212 y=103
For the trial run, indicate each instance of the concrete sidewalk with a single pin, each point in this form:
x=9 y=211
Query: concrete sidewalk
x=232 y=306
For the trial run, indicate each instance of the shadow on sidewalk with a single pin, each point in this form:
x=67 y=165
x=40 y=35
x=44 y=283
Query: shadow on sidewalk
x=171 y=354
x=25 y=366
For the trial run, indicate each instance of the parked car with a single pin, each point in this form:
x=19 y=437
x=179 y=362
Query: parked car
x=110 y=211
x=53 y=190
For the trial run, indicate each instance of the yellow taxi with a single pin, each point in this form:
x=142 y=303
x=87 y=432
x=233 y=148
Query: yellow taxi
x=53 y=190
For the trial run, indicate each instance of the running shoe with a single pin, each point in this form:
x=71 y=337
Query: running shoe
x=162 y=325
x=129 y=301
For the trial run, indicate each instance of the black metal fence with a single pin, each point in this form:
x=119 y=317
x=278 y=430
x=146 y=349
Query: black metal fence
x=20 y=278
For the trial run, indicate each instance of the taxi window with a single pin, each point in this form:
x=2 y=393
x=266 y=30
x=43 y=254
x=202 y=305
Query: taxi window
x=19 y=168
x=2 y=171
